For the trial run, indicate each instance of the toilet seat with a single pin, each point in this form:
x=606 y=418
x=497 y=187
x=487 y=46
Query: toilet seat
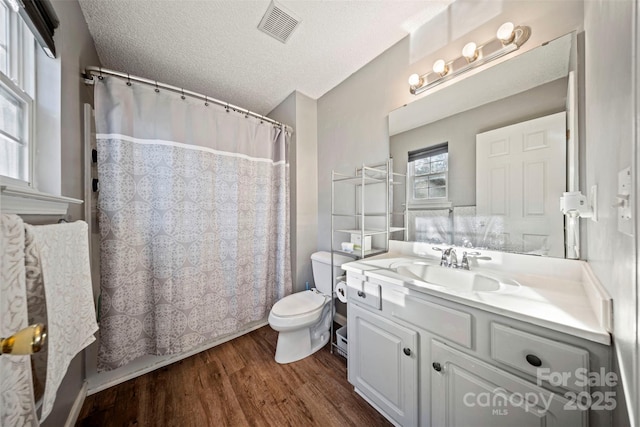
x=299 y=304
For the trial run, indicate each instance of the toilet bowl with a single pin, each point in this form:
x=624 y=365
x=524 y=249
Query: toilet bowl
x=303 y=319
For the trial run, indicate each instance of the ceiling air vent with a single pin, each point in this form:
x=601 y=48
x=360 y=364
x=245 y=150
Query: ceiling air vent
x=278 y=22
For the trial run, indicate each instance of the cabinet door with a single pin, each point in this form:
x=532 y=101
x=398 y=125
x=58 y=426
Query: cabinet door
x=468 y=392
x=383 y=364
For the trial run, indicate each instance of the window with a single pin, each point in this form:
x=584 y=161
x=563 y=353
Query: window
x=30 y=184
x=428 y=171
x=17 y=94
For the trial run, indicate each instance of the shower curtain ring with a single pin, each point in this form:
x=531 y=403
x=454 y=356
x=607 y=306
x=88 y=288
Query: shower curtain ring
x=182 y=91
x=128 y=80
x=206 y=102
x=157 y=90
x=101 y=77
x=227 y=107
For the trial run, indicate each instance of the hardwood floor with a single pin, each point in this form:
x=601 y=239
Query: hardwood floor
x=235 y=384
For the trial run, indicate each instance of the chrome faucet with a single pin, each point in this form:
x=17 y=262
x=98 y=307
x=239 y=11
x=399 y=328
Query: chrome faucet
x=450 y=258
x=465 y=260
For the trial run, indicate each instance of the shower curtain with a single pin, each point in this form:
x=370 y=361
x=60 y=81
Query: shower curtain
x=193 y=212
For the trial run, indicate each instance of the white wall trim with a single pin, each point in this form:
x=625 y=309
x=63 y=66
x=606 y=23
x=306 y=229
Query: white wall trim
x=600 y=300
x=77 y=406
x=27 y=201
x=96 y=384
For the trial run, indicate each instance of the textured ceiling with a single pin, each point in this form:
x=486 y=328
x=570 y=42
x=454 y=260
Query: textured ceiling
x=214 y=47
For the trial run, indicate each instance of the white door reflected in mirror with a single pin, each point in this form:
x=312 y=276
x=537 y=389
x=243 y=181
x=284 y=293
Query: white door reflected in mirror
x=520 y=170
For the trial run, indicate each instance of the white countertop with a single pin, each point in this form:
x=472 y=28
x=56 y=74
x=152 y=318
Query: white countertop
x=569 y=301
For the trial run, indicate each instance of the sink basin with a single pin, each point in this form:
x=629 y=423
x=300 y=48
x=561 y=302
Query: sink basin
x=453 y=279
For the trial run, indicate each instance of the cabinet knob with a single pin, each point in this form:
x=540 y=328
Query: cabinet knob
x=407 y=351
x=533 y=360
x=362 y=294
x=437 y=366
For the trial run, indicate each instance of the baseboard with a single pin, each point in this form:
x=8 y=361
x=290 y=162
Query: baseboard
x=340 y=319
x=104 y=380
x=77 y=406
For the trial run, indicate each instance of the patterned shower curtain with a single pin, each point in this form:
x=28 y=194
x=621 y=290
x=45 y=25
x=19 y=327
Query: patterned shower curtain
x=194 y=221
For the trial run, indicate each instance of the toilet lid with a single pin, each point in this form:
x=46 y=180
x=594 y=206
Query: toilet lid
x=298 y=303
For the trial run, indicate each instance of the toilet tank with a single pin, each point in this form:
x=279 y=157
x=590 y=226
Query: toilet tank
x=322 y=274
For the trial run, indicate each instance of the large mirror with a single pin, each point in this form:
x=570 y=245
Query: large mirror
x=489 y=155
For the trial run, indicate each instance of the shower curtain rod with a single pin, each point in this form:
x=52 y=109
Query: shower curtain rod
x=99 y=72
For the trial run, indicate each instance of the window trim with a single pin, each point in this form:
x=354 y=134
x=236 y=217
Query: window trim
x=28 y=129
x=18 y=196
x=439 y=202
x=23 y=200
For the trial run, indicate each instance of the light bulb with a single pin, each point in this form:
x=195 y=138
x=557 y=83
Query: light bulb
x=415 y=80
x=505 y=33
x=470 y=51
x=440 y=67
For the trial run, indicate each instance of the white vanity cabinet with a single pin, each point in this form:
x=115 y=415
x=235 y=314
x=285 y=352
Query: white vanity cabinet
x=468 y=392
x=383 y=364
x=463 y=363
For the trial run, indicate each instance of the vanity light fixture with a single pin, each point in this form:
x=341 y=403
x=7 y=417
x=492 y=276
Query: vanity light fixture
x=440 y=67
x=509 y=38
x=505 y=33
x=470 y=52
x=415 y=80
x=508 y=34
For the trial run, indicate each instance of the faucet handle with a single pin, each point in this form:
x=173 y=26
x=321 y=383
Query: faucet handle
x=464 y=264
x=443 y=258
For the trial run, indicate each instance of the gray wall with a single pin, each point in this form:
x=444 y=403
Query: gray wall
x=352 y=129
x=300 y=112
x=352 y=117
x=611 y=97
x=76 y=50
x=541 y=101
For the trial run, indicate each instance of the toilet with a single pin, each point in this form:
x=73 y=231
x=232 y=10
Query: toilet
x=303 y=319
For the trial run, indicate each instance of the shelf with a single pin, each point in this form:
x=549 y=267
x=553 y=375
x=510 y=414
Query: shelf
x=357 y=254
x=363 y=232
x=359 y=214
x=356 y=180
x=379 y=198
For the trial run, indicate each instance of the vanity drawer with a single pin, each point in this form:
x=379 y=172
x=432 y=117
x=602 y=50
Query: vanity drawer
x=364 y=293
x=528 y=353
x=450 y=324
x=355 y=278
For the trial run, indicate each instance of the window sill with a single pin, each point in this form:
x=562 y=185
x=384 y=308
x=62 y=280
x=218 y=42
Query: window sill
x=27 y=201
x=430 y=205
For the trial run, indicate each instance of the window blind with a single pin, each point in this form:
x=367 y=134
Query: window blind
x=428 y=152
x=42 y=21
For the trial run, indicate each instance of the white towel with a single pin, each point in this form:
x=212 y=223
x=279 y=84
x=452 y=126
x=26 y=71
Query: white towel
x=64 y=261
x=17 y=406
x=37 y=310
